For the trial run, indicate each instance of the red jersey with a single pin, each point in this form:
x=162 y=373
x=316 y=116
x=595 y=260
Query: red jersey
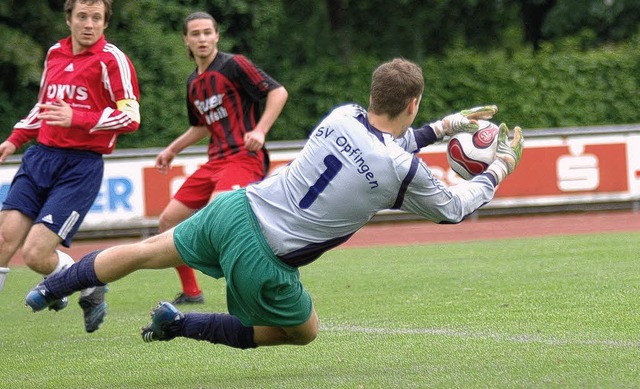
x=91 y=82
x=226 y=99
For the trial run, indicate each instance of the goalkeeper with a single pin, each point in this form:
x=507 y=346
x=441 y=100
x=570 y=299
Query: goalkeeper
x=355 y=163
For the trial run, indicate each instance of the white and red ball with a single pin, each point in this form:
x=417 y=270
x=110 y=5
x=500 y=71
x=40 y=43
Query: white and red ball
x=470 y=154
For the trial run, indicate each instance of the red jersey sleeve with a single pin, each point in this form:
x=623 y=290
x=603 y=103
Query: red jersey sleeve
x=123 y=84
x=26 y=129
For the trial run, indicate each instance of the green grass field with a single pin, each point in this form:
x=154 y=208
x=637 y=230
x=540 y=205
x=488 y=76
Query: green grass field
x=558 y=312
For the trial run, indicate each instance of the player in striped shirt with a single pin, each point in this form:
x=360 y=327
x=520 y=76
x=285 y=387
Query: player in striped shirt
x=88 y=96
x=224 y=94
x=356 y=162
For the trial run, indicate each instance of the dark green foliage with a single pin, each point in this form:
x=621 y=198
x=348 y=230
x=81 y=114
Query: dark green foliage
x=315 y=90
x=543 y=90
x=605 y=20
x=584 y=70
x=162 y=65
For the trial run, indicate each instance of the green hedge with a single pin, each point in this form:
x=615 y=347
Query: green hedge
x=543 y=90
x=549 y=89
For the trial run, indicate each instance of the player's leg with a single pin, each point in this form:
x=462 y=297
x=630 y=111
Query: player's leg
x=22 y=205
x=3 y=276
x=297 y=335
x=192 y=195
x=40 y=255
x=174 y=213
x=71 y=190
x=167 y=323
x=13 y=228
x=201 y=187
x=101 y=267
x=156 y=252
x=39 y=251
x=262 y=291
x=224 y=240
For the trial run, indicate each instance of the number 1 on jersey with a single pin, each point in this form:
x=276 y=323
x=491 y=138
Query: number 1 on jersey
x=333 y=165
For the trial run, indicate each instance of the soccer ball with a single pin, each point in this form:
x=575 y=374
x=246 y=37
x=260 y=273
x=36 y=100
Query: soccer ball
x=470 y=154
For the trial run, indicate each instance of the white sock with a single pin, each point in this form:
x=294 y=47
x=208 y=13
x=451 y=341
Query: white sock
x=86 y=292
x=3 y=276
x=64 y=261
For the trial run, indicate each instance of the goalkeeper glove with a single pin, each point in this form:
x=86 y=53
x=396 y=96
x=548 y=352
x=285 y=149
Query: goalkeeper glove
x=463 y=121
x=508 y=155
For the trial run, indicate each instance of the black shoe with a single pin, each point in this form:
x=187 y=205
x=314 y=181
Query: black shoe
x=183 y=298
x=94 y=308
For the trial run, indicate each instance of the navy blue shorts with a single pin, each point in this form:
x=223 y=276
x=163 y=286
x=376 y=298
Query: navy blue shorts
x=56 y=187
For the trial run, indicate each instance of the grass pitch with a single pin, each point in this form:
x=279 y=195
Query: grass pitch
x=558 y=312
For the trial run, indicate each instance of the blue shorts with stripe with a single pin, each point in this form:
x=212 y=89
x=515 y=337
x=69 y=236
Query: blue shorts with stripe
x=56 y=187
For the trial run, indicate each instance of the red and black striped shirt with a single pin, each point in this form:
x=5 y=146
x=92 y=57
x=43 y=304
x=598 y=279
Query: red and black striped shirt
x=226 y=99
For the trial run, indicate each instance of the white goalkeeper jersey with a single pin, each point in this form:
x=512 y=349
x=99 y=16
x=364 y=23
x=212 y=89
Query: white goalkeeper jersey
x=348 y=171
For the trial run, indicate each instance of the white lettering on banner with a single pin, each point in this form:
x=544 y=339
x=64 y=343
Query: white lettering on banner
x=578 y=171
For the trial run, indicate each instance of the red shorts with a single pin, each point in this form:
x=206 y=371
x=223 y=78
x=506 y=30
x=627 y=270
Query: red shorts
x=219 y=175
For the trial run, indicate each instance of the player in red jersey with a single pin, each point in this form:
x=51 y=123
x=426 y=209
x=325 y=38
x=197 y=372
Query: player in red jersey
x=223 y=102
x=88 y=96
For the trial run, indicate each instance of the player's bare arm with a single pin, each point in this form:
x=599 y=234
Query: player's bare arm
x=193 y=135
x=276 y=99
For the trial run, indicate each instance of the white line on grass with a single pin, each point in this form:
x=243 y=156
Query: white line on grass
x=526 y=338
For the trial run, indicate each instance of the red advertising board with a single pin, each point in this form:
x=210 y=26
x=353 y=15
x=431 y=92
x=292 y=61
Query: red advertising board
x=547 y=169
x=556 y=170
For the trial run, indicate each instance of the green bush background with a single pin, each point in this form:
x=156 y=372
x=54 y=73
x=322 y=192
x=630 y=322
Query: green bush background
x=534 y=91
x=584 y=73
x=542 y=90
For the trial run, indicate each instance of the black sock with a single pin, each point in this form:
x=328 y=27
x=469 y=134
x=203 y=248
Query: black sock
x=80 y=275
x=217 y=328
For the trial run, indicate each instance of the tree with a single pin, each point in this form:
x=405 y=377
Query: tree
x=534 y=13
x=594 y=22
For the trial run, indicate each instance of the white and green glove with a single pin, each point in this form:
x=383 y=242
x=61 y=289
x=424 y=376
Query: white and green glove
x=508 y=155
x=463 y=121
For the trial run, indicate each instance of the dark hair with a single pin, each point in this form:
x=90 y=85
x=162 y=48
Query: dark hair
x=393 y=85
x=69 y=4
x=198 y=15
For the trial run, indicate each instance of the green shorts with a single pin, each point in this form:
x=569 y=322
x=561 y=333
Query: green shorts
x=224 y=240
